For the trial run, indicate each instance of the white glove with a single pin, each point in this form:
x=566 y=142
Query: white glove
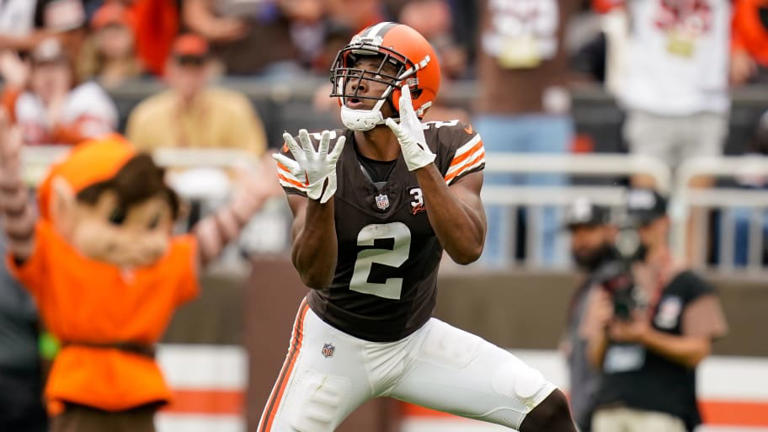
x=318 y=167
x=410 y=134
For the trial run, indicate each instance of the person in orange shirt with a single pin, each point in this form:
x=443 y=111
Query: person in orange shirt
x=749 y=41
x=107 y=273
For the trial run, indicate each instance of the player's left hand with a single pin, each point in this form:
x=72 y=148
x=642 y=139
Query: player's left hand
x=410 y=134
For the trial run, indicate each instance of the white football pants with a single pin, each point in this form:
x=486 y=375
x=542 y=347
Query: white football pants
x=328 y=374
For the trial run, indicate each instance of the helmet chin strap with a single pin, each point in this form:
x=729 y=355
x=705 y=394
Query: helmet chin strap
x=364 y=120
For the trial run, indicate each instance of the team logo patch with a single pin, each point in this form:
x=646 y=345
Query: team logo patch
x=669 y=312
x=328 y=350
x=382 y=202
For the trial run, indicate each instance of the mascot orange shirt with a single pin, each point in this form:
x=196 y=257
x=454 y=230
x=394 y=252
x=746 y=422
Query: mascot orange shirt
x=107 y=303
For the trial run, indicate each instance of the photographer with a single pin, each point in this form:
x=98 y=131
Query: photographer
x=592 y=246
x=648 y=348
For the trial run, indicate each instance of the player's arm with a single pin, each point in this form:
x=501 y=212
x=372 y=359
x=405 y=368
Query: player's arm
x=314 y=240
x=455 y=213
x=18 y=215
x=314 y=229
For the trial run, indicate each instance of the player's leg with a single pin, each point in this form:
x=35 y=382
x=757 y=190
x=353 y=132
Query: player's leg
x=457 y=372
x=322 y=381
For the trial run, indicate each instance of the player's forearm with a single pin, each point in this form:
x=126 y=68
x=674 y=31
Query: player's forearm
x=315 y=246
x=686 y=350
x=460 y=229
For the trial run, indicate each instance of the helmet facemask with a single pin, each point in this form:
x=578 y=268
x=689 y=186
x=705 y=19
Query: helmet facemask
x=344 y=75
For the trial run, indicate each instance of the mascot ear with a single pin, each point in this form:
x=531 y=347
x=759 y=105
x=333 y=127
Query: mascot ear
x=62 y=206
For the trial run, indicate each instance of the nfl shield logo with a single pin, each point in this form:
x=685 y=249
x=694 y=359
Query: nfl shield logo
x=382 y=202
x=328 y=350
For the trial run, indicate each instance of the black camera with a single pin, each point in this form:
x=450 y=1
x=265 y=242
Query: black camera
x=615 y=277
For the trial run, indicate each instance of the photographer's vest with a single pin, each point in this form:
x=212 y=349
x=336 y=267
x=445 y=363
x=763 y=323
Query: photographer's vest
x=638 y=378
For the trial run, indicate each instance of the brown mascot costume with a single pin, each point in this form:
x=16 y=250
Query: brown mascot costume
x=107 y=273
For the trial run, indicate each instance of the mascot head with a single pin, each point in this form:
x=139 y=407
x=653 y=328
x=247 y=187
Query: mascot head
x=110 y=203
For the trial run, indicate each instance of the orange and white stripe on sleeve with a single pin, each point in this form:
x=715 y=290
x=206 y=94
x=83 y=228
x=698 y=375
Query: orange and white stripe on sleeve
x=468 y=158
x=289 y=181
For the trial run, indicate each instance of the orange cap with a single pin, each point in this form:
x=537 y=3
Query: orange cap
x=190 y=44
x=88 y=163
x=111 y=13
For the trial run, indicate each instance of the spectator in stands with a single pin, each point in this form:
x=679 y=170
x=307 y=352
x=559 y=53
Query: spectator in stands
x=24 y=23
x=282 y=37
x=523 y=107
x=648 y=337
x=192 y=114
x=674 y=86
x=356 y=14
x=592 y=247
x=109 y=54
x=742 y=217
x=17 y=25
x=21 y=386
x=49 y=105
x=749 y=42
x=433 y=19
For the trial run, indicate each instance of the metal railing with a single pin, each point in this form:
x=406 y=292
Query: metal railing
x=535 y=198
x=686 y=198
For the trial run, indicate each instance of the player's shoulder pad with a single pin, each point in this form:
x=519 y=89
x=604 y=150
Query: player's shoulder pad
x=458 y=147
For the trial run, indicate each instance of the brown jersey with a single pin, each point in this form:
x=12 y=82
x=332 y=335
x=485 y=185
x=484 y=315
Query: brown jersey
x=384 y=286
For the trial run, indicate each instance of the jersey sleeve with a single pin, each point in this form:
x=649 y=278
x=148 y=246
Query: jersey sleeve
x=291 y=184
x=463 y=149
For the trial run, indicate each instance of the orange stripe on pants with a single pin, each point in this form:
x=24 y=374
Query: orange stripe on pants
x=265 y=425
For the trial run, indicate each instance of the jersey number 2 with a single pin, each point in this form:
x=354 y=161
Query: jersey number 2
x=395 y=257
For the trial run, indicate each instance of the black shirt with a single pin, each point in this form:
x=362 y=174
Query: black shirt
x=384 y=286
x=639 y=378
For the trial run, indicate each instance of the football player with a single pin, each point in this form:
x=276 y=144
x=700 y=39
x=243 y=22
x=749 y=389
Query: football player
x=374 y=207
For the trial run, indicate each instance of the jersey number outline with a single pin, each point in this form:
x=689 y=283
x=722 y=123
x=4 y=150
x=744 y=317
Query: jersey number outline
x=395 y=257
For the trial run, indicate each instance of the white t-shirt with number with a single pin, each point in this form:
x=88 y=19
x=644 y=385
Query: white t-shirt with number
x=677 y=57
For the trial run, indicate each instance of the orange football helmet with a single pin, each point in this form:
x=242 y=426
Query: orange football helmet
x=397 y=44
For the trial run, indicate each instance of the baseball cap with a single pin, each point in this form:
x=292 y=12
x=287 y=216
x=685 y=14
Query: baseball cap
x=643 y=205
x=582 y=211
x=190 y=45
x=111 y=14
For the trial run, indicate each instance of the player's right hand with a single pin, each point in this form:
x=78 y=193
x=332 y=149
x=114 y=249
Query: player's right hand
x=318 y=167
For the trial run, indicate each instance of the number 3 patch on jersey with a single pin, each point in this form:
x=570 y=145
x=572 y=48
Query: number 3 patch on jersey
x=417 y=201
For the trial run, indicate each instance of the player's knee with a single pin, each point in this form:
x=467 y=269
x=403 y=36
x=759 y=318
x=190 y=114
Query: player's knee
x=320 y=399
x=551 y=415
